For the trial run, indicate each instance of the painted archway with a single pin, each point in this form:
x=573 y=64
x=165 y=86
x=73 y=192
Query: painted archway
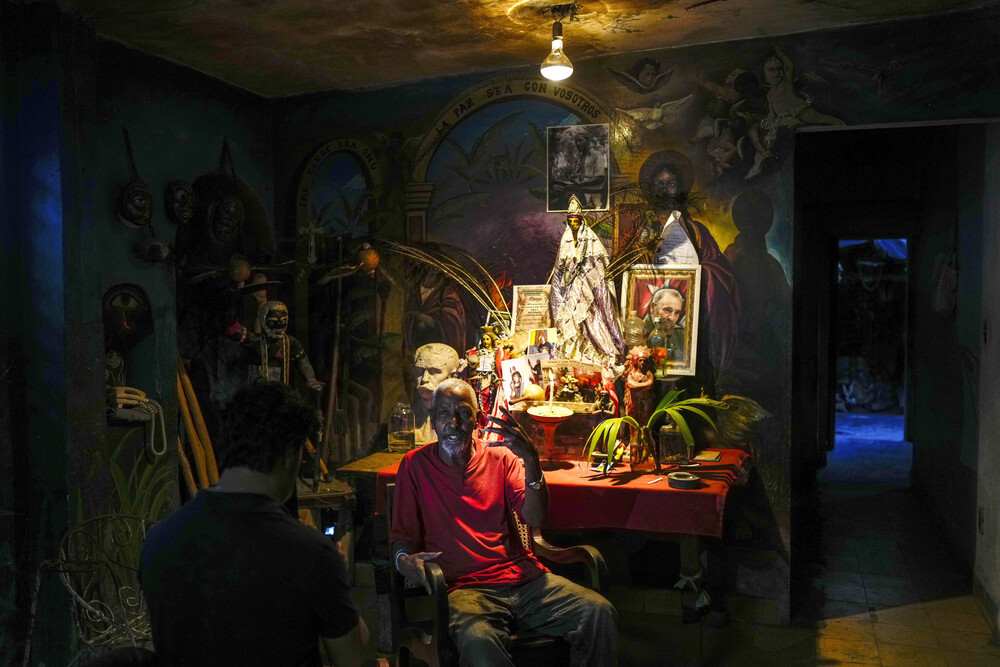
x=573 y=98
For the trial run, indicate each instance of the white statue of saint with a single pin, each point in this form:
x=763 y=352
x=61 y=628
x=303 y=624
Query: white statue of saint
x=581 y=300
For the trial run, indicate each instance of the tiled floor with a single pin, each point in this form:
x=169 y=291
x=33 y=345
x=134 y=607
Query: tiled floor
x=882 y=590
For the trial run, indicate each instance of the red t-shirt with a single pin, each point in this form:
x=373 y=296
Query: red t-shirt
x=463 y=514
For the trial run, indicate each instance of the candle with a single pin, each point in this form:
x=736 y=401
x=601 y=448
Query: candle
x=552 y=387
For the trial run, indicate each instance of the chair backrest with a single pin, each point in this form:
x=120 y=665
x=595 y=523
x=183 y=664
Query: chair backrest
x=521 y=529
x=99 y=565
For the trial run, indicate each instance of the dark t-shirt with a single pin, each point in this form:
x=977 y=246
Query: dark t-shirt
x=232 y=579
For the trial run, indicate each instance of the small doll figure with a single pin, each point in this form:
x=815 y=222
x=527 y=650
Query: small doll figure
x=639 y=384
x=273 y=350
x=484 y=360
x=604 y=407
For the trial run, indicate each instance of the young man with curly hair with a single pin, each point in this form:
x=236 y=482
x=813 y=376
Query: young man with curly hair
x=231 y=578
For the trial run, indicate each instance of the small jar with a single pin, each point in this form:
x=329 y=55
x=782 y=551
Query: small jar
x=401 y=428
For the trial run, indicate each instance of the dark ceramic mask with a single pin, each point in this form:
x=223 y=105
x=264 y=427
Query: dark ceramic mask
x=180 y=202
x=274 y=319
x=227 y=219
x=136 y=208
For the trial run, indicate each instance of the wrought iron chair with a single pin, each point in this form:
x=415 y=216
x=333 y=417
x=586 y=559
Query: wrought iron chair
x=401 y=604
x=99 y=565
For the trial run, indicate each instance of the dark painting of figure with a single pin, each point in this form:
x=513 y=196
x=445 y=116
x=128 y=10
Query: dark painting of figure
x=666 y=181
x=764 y=297
x=435 y=313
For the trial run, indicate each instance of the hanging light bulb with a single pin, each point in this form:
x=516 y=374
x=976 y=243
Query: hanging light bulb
x=556 y=65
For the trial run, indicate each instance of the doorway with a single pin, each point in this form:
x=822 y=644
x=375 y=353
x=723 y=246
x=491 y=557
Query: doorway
x=868 y=348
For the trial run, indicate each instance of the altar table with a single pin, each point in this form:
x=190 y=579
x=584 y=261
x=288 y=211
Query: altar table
x=582 y=499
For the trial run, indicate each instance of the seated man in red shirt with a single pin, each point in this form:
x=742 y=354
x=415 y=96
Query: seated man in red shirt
x=451 y=502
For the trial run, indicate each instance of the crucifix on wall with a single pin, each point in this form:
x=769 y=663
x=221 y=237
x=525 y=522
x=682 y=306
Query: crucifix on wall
x=312 y=229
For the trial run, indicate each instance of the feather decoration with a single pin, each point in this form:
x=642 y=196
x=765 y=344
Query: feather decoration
x=741 y=414
x=468 y=274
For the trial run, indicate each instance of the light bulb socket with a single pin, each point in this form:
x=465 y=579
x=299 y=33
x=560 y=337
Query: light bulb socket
x=556 y=66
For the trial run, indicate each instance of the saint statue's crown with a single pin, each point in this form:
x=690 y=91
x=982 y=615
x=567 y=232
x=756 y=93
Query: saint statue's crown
x=574 y=207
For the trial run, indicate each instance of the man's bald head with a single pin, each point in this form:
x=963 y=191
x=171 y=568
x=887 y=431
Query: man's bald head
x=456 y=386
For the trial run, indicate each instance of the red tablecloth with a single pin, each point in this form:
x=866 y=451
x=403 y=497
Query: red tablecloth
x=582 y=499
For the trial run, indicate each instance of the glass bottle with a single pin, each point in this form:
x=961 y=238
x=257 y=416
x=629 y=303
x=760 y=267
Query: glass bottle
x=657 y=343
x=658 y=336
x=401 y=428
x=634 y=330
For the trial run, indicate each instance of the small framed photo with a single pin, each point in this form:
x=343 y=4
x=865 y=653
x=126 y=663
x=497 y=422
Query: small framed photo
x=544 y=341
x=578 y=164
x=516 y=374
x=668 y=296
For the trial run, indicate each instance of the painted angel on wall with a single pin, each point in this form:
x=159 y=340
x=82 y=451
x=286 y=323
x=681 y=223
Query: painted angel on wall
x=644 y=76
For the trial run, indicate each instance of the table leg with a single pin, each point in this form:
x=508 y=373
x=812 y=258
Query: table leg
x=345 y=528
x=383 y=584
x=690 y=614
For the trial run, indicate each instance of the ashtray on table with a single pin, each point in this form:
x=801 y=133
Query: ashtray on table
x=683 y=480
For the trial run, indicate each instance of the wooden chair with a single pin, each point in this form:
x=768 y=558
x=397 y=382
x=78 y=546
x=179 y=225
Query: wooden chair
x=413 y=624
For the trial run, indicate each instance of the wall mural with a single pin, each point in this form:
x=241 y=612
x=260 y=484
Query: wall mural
x=698 y=149
x=490 y=172
x=693 y=156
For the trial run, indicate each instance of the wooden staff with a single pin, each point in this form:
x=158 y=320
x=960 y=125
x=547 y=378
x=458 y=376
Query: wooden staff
x=186 y=469
x=199 y=421
x=199 y=453
x=334 y=399
x=311 y=449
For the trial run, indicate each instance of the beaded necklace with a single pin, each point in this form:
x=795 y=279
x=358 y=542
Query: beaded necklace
x=264 y=367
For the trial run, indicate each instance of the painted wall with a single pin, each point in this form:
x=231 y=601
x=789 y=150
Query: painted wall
x=946 y=345
x=902 y=72
x=65 y=98
x=177 y=122
x=987 y=569
x=35 y=436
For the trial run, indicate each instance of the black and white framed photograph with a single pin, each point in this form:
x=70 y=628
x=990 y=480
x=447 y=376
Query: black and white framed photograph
x=578 y=164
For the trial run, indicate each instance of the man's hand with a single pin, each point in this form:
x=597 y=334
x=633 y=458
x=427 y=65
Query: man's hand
x=411 y=566
x=513 y=436
x=536 y=497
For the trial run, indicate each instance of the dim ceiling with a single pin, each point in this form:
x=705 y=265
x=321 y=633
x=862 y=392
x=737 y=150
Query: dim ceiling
x=287 y=47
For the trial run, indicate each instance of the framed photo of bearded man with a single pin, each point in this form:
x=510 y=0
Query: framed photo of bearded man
x=578 y=159
x=667 y=296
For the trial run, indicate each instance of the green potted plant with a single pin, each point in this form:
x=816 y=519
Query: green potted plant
x=640 y=439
